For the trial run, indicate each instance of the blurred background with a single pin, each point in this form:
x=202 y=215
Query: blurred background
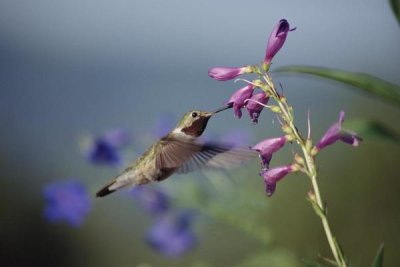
x=72 y=70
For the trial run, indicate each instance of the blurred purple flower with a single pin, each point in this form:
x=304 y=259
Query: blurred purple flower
x=66 y=200
x=117 y=137
x=171 y=235
x=227 y=73
x=336 y=132
x=272 y=176
x=105 y=149
x=276 y=40
x=238 y=99
x=267 y=147
x=164 y=124
x=153 y=200
x=254 y=108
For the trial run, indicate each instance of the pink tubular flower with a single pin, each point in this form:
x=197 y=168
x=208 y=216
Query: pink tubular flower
x=336 y=132
x=254 y=108
x=267 y=147
x=272 y=176
x=239 y=97
x=276 y=40
x=227 y=73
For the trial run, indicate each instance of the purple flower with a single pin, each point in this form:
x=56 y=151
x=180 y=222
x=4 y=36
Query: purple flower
x=238 y=99
x=105 y=149
x=272 y=176
x=267 y=147
x=117 y=137
x=227 y=73
x=171 y=234
x=254 y=108
x=153 y=200
x=276 y=40
x=336 y=132
x=68 y=201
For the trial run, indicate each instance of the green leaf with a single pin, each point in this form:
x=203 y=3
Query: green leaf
x=378 y=261
x=367 y=83
x=395 y=4
x=369 y=129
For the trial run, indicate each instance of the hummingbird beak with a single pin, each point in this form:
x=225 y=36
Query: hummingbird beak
x=222 y=109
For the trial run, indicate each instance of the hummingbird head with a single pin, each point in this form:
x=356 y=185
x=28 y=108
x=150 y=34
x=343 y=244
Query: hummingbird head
x=194 y=122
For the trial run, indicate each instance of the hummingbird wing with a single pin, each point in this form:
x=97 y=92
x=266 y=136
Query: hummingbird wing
x=193 y=156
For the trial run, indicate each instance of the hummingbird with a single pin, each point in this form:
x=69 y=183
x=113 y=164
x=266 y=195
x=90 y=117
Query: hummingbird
x=179 y=152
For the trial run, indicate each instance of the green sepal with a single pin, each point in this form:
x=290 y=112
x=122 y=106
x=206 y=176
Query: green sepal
x=275 y=109
x=265 y=66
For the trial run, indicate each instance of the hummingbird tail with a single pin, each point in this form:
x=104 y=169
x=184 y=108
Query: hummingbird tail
x=105 y=190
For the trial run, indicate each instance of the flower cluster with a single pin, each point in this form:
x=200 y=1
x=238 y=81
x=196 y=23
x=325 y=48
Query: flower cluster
x=254 y=103
x=245 y=97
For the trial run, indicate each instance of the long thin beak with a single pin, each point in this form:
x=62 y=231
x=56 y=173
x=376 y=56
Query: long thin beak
x=222 y=109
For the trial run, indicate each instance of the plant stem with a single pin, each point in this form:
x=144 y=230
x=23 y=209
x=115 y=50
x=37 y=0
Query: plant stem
x=336 y=251
x=310 y=169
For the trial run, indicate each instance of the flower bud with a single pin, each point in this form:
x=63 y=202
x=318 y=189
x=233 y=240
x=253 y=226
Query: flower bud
x=299 y=159
x=286 y=129
x=290 y=137
x=276 y=41
x=311 y=196
x=276 y=109
x=227 y=73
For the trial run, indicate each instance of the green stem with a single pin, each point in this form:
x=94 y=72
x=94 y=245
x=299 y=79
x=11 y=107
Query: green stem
x=311 y=171
x=336 y=251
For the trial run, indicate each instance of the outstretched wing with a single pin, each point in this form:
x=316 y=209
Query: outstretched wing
x=193 y=156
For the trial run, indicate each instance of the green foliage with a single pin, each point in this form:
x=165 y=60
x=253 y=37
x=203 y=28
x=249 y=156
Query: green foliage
x=367 y=83
x=372 y=129
x=395 y=4
x=378 y=261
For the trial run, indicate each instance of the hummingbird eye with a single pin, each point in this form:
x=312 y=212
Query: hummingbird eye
x=194 y=114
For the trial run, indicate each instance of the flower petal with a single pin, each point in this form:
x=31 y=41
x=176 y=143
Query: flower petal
x=225 y=73
x=269 y=146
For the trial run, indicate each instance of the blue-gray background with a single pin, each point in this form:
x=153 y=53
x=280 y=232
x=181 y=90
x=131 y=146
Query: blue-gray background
x=73 y=67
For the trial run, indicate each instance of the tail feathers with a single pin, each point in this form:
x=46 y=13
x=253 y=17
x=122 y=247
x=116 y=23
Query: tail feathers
x=105 y=190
